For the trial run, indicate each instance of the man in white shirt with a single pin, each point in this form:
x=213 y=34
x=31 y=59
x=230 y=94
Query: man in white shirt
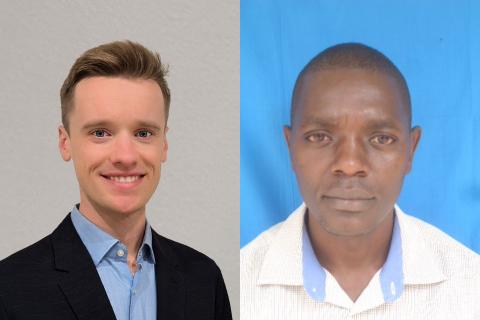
x=349 y=252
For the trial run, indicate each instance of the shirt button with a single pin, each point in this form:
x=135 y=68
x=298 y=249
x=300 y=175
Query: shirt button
x=120 y=253
x=134 y=292
x=393 y=289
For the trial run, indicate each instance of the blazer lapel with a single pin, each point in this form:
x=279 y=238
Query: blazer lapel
x=79 y=279
x=169 y=280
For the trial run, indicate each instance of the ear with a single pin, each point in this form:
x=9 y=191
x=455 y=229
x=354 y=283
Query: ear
x=64 y=144
x=415 y=134
x=164 y=146
x=287 y=132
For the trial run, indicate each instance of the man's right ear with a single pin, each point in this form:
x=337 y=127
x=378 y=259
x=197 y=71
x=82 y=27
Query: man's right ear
x=287 y=132
x=64 y=143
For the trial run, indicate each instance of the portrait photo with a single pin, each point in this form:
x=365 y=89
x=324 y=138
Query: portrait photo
x=359 y=181
x=196 y=204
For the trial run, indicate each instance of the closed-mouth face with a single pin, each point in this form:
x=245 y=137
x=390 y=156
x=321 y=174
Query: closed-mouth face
x=348 y=204
x=351 y=146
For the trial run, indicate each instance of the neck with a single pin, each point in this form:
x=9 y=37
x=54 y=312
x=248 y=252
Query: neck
x=340 y=254
x=352 y=260
x=128 y=228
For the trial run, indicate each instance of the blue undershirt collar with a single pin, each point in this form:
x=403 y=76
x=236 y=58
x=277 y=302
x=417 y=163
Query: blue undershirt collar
x=99 y=243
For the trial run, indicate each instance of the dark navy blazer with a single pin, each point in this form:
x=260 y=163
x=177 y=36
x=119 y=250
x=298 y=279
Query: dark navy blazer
x=55 y=278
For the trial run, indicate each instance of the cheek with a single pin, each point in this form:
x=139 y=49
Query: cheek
x=394 y=163
x=310 y=166
x=88 y=157
x=388 y=172
x=152 y=157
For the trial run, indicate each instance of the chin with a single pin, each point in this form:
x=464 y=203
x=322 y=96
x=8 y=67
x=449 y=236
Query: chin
x=348 y=225
x=126 y=207
x=348 y=233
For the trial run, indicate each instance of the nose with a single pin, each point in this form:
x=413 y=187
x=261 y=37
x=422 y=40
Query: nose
x=350 y=159
x=124 y=153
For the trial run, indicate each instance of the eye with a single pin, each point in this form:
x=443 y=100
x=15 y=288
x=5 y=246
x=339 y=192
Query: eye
x=317 y=137
x=143 y=134
x=382 y=139
x=99 y=133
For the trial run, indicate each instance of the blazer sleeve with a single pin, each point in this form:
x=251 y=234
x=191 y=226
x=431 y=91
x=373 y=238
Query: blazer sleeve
x=222 y=303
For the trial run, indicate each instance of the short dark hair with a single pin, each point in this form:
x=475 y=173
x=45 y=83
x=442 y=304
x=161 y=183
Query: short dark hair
x=120 y=58
x=352 y=56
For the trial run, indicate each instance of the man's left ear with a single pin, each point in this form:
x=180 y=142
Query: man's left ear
x=165 y=146
x=415 y=134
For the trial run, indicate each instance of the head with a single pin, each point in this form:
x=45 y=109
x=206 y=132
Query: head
x=350 y=140
x=125 y=59
x=115 y=102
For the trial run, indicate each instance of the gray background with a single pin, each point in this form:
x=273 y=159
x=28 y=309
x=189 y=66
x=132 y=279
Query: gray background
x=197 y=202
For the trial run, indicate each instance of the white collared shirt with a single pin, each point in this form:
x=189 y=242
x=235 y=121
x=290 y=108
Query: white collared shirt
x=441 y=278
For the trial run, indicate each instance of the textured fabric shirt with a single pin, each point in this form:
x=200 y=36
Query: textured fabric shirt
x=441 y=278
x=132 y=296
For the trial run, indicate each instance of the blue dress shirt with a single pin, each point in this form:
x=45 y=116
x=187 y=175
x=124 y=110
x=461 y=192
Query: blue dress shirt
x=391 y=274
x=132 y=296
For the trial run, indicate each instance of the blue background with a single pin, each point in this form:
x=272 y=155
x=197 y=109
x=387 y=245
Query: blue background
x=435 y=44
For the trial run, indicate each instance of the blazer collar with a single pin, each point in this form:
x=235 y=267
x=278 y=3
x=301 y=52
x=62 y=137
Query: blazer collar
x=171 y=292
x=282 y=264
x=80 y=282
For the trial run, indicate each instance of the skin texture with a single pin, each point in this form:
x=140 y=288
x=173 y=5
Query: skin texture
x=117 y=128
x=351 y=146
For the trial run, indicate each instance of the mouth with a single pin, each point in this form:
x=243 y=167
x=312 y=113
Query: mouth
x=348 y=198
x=124 y=180
x=350 y=204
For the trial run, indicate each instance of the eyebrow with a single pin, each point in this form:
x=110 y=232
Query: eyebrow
x=382 y=125
x=149 y=124
x=107 y=123
x=374 y=124
x=318 y=122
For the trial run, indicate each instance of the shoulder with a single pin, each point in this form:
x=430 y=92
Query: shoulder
x=255 y=251
x=253 y=257
x=454 y=258
x=203 y=279
x=286 y=235
x=270 y=264
x=188 y=259
x=41 y=254
x=281 y=242
x=24 y=270
x=35 y=256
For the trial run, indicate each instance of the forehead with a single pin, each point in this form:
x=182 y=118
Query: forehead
x=117 y=98
x=360 y=96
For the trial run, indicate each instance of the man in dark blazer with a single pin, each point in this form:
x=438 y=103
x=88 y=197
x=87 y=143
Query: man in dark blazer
x=104 y=261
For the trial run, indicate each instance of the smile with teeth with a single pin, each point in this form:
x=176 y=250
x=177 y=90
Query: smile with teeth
x=126 y=179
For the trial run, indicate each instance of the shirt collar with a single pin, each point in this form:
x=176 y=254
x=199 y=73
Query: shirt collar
x=283 y=262
x=391 y=274
x=99 y=243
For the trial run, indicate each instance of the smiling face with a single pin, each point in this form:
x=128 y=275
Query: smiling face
x=117 y=140
x=351 y=146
